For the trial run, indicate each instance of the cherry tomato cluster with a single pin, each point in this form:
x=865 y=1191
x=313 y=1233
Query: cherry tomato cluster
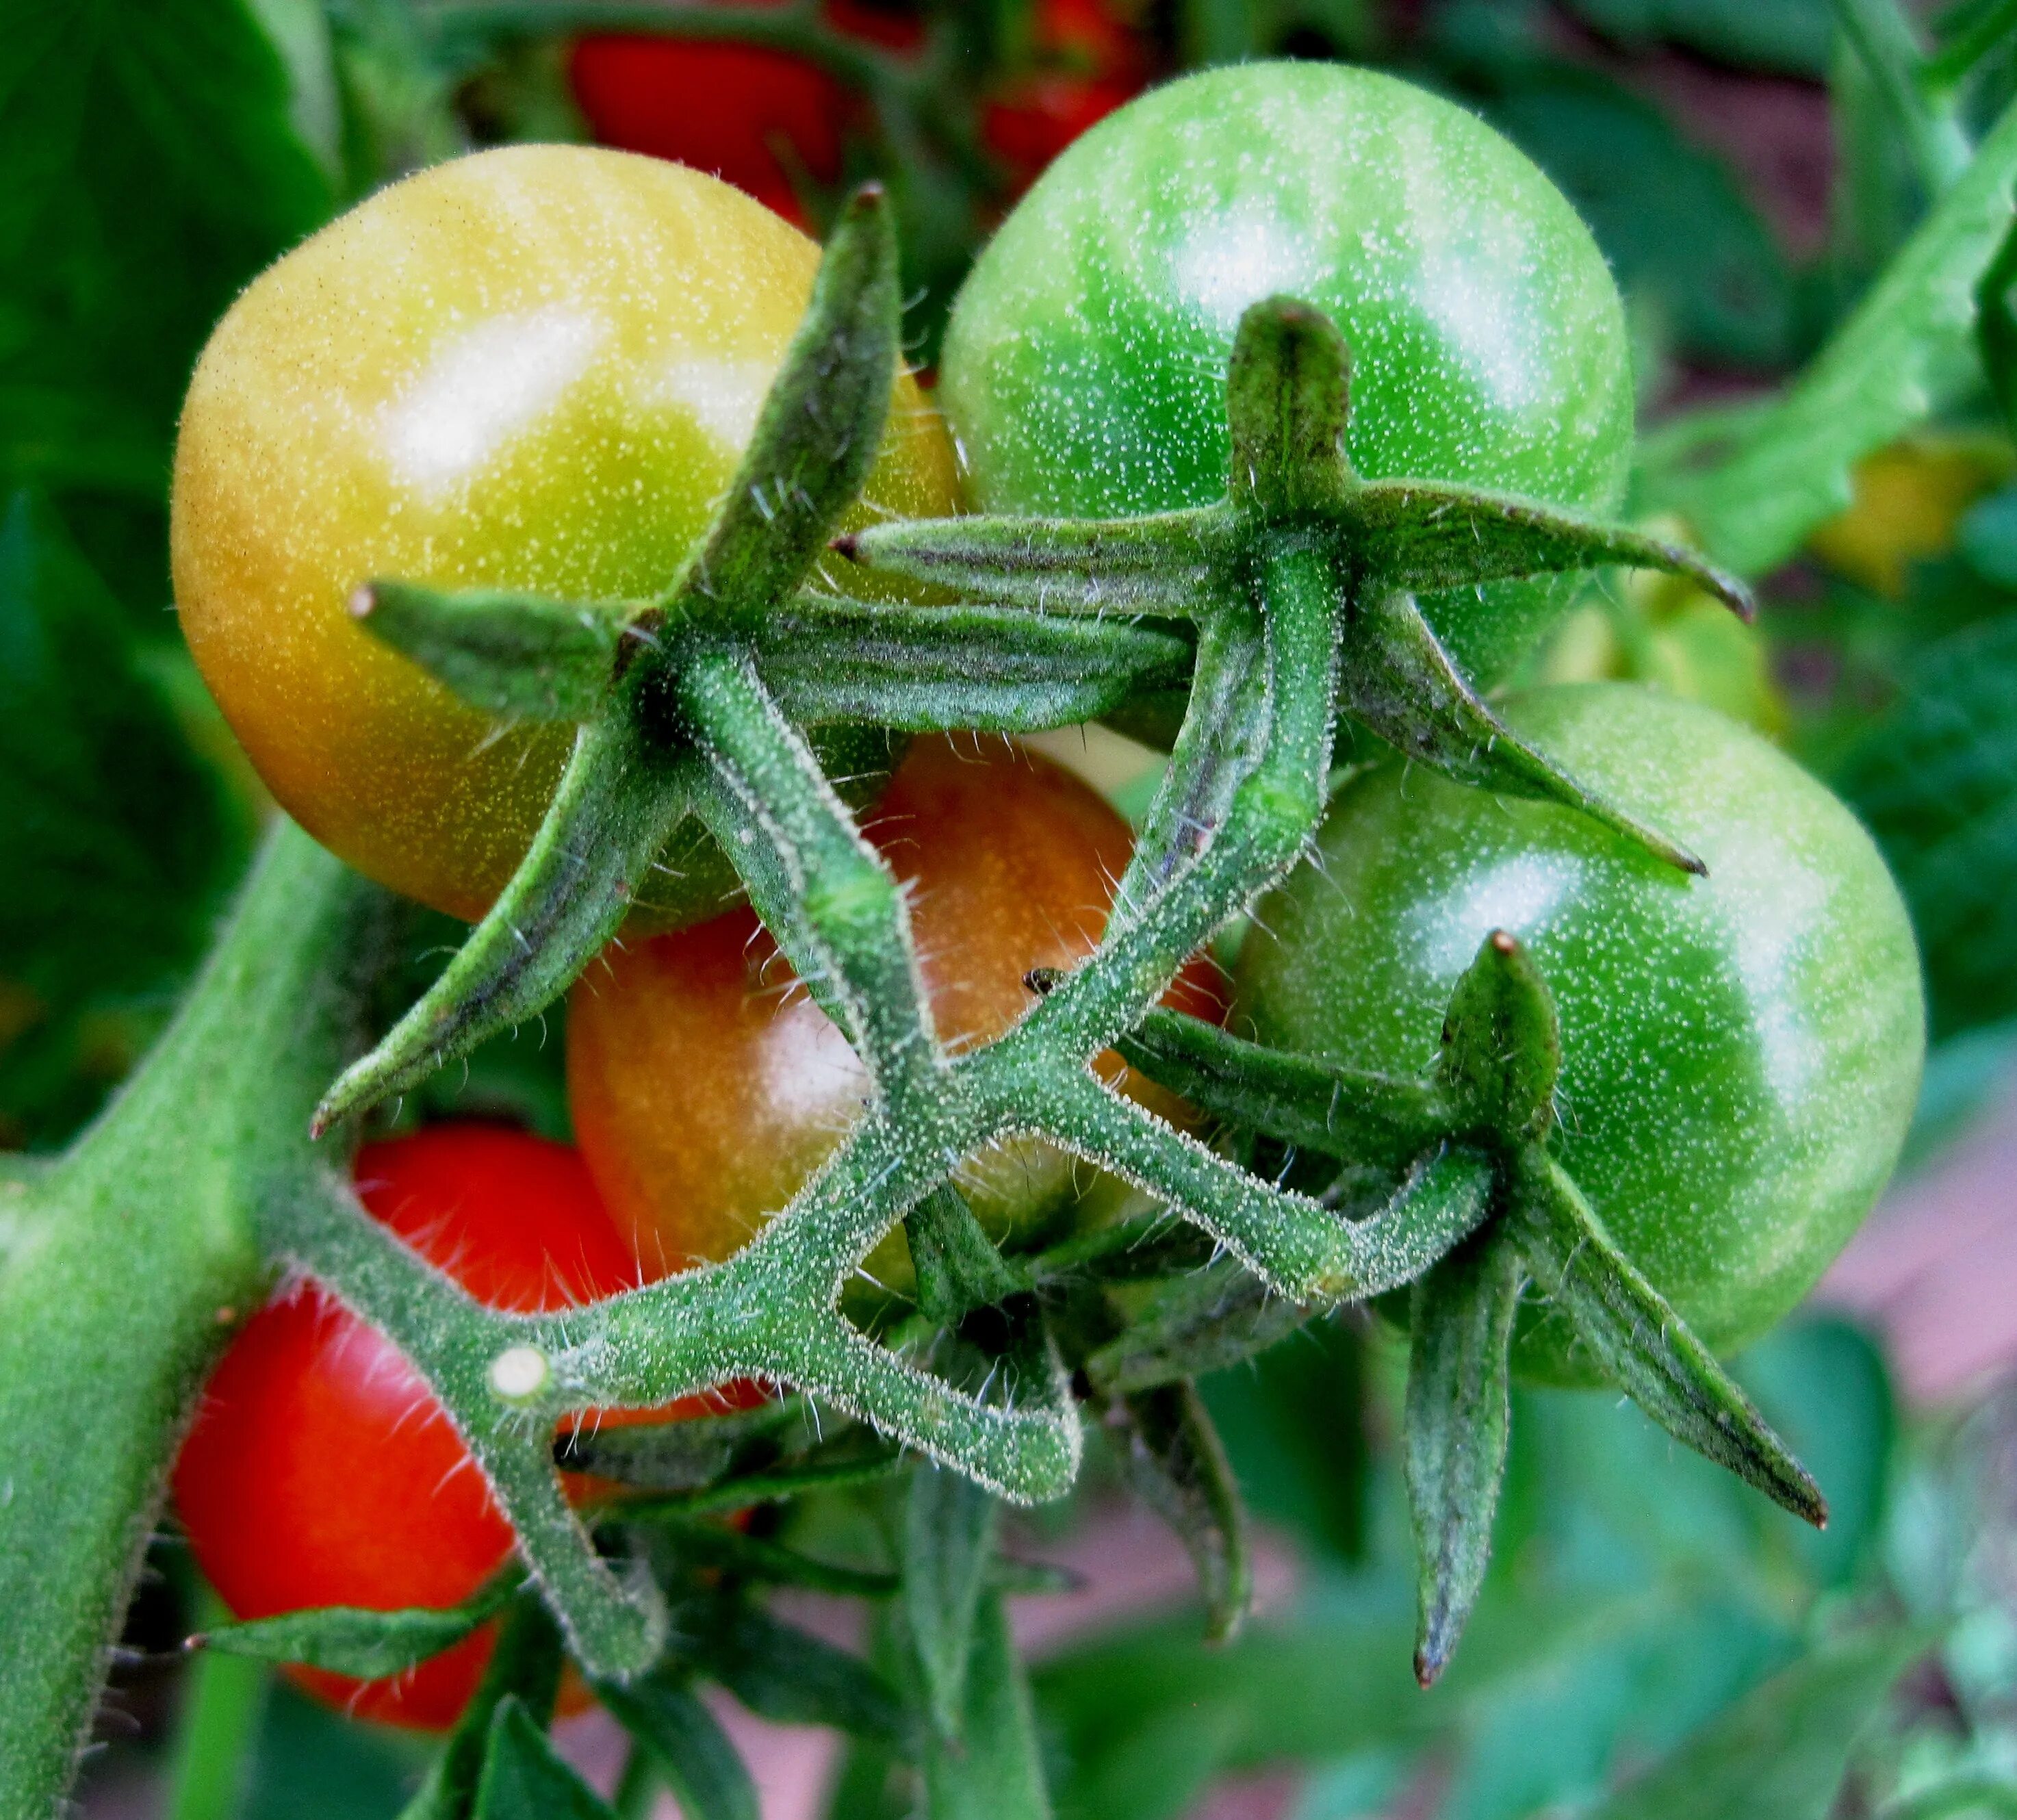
x=534 y=369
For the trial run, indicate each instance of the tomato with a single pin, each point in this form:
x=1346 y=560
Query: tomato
x=769 y=121
x=706 y=1086
x=1083 y=370
x=1088 y=59
x=535 y=368
x=1740 y=1052
x=321 y=1470
x=763 y=120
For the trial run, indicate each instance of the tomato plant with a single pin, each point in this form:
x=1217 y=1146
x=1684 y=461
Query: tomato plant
x=532 y=368
x=1740 y=1053
x=1082 y=367
x=322 y=1471
x=1009 y=862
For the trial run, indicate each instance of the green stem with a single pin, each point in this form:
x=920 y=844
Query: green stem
x=132 y=1258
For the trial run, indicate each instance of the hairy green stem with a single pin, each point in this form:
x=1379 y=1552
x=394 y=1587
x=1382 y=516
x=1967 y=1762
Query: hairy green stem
x=132 y=1259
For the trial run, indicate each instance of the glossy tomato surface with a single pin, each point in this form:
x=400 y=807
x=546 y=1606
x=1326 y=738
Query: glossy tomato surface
x=534 y=368
x=1084 y=370
x=1740 y=1052
x=321 y=1470
x=706 y=1085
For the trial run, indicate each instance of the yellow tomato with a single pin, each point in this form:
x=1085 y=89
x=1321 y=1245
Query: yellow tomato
x=536 y=368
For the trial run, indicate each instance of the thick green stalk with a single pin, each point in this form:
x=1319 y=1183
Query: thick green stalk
x=126 y=1265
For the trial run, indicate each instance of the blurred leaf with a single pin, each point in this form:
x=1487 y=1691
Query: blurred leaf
x=152 y=169
x=706 y=1772
x=1171 y=1457
x=993 y=1772
x=1988 y=539
x=1794 y=36
x=311 y=1763
x=1824 y=1384
x=1753 y=483
x=525 y=1779
x=1667 y=214
x=1781 y=1754
x=117 y=842
x=1936 y=782
x=1964 y=1076
x=1293 y=1426
x=949 y=1525
x=783 y=1674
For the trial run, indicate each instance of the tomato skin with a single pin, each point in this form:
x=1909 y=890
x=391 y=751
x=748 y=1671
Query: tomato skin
x=1741 y=1053
x=1011 y=860
x=1083 y=370
x=322 y=1471
x=533 y=368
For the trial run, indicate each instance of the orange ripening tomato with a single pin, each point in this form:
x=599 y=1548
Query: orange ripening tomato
x=706 y=1086
x=321 y=1470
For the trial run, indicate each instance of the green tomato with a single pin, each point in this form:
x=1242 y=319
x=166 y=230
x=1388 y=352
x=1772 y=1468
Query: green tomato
x=1740 y=1052
x=536 y=368
x=1084 y=367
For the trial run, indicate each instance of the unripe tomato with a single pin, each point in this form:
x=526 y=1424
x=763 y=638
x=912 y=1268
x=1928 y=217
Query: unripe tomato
x=321 y=1470
x=1084 y=370
x=706 y=1086
x=535 y=368
x=1740 y=1052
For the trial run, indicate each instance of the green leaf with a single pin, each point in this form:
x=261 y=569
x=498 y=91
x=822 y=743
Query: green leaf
x=1936 y=780
x=949 y=1524
x=1671 y=220
x=706 y=1770
x=524 y=1671
x=958 y=1268
x=152 y=169
x=994 y=1772
x=1171 y=1457
x=1458 y=1416
x=117 y=844
x=1996 y=331
x=524 y=1778
x=1795 y=36
x=1781 y=1754
x=345 y=1640
x=1753 y=491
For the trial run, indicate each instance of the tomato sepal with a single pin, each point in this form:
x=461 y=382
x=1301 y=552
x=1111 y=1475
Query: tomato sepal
x=1456 y=1422
x=365 y=1645
x=1170 y=1456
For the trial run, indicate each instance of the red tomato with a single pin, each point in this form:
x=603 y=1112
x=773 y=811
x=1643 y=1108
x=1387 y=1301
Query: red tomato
x=767 y=120
x=321 y=1470
x=763 y=120
x=1089 y=60
x=706 y=1085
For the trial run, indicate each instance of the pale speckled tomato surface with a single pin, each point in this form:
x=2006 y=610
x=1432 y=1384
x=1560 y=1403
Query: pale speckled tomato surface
x=1085 y=366
x=1740 y=1052
x=533 y=368
x=706 y=1086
